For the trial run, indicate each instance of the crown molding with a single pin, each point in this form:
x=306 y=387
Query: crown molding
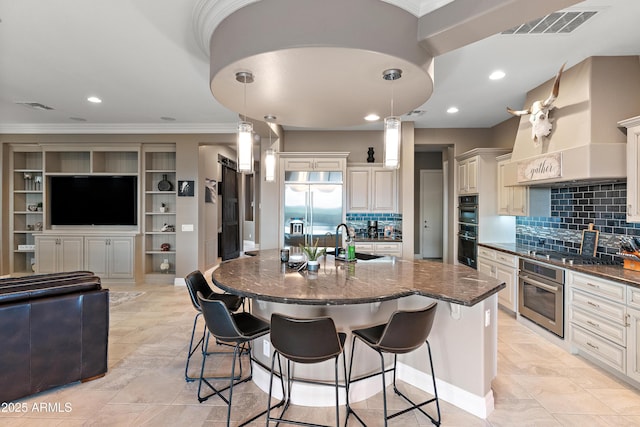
x=117 y=128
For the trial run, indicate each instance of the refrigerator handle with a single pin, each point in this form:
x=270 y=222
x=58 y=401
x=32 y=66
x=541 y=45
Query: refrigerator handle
x=311 y=219
x=306 y=217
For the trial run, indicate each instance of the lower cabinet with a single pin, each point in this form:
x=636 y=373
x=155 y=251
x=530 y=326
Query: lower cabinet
x=58 y=253
x=109 y=257
x=503 y=267
x=380 y=248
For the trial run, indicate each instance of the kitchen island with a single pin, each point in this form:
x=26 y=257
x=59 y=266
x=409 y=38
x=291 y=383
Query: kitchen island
x=463 y=339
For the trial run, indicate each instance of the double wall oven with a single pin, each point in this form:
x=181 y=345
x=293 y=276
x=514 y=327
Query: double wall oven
x=468 y=230
x=541 y=295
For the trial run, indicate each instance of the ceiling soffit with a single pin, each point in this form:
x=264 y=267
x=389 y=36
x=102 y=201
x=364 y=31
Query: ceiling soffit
x=319 y=64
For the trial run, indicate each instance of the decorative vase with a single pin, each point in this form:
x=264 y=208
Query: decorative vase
x=165 y=184
x=370 y=158
x=164 y=267
x=163 y=209
x=313 y=265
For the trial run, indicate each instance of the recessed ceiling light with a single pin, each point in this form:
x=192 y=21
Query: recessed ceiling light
x=372 y=117
x=452 y=110
x=497 y=75
x=94 y=99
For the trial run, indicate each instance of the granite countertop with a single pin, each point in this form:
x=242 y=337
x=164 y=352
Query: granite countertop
x=264 y=277
x=611 y=272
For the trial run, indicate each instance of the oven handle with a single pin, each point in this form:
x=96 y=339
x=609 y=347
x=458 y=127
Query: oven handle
x=463 y=237
x=540 y=284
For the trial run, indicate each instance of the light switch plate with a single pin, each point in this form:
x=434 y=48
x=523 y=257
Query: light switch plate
x=187 y=227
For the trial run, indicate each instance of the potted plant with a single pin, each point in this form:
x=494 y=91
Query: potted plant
x=163 y=207
x=312 y=253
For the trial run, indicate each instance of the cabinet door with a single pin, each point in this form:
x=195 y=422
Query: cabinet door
x=486 y=267
x=120 y=257
x=46 y=254
x=472 y=175
x=96 y=256
x=463 y=181
x=633 y=175
x=70 y=254
x=359 y=191
x=384 y=190
x=322 y=164
x=633 y=344
x=504 y=193
x=507 y=296
x=298 y=164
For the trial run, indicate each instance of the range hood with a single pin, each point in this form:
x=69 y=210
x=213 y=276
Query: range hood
x=586 y=144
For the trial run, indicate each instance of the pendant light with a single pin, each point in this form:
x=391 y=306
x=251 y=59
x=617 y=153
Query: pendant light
x=245 y=130
x=270 y=155
x=392 y=127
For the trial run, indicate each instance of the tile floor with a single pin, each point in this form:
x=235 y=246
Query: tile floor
x=537 y=384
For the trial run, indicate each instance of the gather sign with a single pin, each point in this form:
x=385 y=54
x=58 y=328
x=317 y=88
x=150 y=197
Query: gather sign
x=542 y=167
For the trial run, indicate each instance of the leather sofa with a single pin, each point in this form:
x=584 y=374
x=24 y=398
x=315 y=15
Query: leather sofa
x=54 y=330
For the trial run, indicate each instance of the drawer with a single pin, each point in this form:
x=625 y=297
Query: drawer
x=599 y=348
x=598 y=306
x=612 y=331
x=365 y=247
x=486 y=253
x=600 y=287
x=507 y=259
x=633 y=297
x=388 y=249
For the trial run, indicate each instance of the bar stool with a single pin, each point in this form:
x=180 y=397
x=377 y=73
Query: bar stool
x=304 y=341
x=197 y=283
x=405 y=331
x=237 y=329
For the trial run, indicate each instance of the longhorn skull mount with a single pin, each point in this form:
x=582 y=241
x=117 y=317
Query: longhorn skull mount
x=541 y=124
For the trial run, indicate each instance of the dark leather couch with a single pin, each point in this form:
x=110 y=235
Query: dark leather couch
x=54 y=330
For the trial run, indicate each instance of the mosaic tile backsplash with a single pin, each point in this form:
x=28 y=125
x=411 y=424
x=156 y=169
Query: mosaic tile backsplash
x=359 y=222
x=572 y=210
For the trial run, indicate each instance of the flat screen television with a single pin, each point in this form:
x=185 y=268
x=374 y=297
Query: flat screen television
x=93 y=200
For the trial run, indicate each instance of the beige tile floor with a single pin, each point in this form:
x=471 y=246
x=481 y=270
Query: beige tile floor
x=537 y=383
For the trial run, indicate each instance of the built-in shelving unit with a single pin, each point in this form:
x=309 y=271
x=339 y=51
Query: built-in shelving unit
x=26 y=205
x=159 y=165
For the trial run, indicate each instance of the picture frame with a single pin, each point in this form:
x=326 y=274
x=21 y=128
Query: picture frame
x=186 y=188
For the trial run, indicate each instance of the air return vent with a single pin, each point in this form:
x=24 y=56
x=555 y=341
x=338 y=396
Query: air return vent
x=554 y=23
x=35 y=105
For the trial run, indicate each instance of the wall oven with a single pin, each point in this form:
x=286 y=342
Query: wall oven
x=468 y=230
x=541 y=295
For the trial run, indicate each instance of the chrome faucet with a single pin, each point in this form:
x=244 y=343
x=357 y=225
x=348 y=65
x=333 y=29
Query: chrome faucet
x=337 y=231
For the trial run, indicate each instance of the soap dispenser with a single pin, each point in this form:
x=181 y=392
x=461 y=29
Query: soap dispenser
x=351 y=249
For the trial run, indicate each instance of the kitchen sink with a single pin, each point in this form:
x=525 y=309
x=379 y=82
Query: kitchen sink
x=359 y=255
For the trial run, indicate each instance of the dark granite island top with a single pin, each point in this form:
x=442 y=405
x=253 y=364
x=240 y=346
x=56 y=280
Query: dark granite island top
x=264 y=277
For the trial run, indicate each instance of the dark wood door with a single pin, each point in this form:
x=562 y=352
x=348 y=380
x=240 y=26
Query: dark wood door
x=230 y=247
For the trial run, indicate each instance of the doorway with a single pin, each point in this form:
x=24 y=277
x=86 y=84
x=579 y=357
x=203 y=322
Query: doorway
x=230 y=236
x=431 y=213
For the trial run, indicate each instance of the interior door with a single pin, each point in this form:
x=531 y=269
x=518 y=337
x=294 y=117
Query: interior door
x=230 y=238
x=431 y=213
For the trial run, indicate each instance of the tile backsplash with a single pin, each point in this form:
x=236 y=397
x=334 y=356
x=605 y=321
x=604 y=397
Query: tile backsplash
x=572 y=210
x=359 y=222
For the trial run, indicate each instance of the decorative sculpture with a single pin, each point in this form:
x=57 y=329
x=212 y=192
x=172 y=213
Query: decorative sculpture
x=541 y=124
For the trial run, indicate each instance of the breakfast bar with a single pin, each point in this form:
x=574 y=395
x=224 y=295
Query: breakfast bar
x=357 y=294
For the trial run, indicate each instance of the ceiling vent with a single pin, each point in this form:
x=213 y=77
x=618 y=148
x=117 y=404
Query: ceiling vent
x=415 y=113
x=554 y=23
x=35 y=106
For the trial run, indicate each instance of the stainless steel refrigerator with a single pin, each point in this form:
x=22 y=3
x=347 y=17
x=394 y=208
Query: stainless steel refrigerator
x=313 y=207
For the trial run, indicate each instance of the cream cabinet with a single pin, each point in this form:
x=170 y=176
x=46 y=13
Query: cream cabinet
x=633 y=333
x=468 y=176
x=501 y=266
x=372 y=189
x=520 y=200
x=380 y=248
x=58 y=253
x=110 y=257
x=312 y=162
x=598 y=319
x=633 y=168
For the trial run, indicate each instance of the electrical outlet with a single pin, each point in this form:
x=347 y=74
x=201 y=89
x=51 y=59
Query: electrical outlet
x=266 y=348
x=487 y=318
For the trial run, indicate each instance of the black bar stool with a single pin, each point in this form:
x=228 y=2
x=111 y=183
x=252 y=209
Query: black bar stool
x=304 y=341
x=405 y=331
x=237 y=329
x=197 y=283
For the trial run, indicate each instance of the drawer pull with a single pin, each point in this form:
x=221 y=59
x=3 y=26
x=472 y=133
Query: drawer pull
x=594 y=324
x=593 y=285
x=595 y=347
x=593 y=304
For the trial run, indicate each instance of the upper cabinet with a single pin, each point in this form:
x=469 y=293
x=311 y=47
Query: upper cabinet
x=468 y=176
x=312 y=162
x=633 y=166
x=520 y=200
x=372 y=189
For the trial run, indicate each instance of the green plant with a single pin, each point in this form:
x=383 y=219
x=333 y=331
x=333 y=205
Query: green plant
x=313 y=252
